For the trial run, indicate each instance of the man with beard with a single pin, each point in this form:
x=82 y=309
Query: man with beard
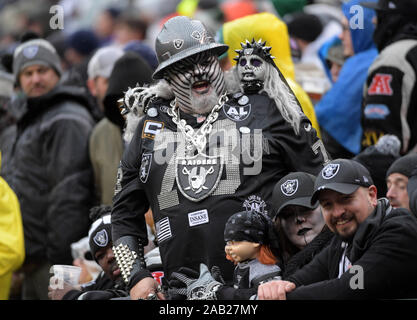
x=390 y=94
x=372 y=255
x=108 y=283
x=200 y=157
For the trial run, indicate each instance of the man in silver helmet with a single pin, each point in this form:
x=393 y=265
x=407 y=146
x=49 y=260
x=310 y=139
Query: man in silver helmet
x=197 y=158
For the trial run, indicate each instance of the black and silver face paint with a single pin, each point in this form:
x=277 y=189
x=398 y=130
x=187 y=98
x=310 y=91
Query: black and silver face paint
x=197 y=82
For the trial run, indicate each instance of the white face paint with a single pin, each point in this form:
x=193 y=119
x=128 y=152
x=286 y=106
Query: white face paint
x=301 y=225
x=197 y=82
x=251 y=67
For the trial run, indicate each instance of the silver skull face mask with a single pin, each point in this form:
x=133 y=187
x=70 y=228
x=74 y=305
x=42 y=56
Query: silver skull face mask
x=251 y=67
x=197 y=82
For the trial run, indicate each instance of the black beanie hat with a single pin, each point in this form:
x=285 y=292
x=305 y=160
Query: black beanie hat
x=247 y=226
x=99 y=235
x=305 y=26
x=128 y=71
x=403 y=165
x=412 y=191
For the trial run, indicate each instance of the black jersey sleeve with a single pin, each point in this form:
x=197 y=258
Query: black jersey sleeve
x=130 y=202
x=304 y=151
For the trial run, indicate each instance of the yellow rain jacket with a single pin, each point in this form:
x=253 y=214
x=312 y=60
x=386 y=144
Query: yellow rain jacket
x=271 y=29
x=12 y=250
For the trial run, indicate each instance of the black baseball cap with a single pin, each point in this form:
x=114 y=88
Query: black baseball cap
x=295 y=188
x=405 y=7
x=343 y=176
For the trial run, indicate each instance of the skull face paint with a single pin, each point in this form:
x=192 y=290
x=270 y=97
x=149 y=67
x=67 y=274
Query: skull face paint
x=251 y=67
x=197 y=82
x=301 y=225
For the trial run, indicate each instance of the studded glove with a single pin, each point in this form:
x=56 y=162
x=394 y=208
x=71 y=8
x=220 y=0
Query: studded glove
x=129 y=255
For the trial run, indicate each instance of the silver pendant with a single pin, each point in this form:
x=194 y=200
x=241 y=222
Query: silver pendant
x=243 y=100
x=152 y=112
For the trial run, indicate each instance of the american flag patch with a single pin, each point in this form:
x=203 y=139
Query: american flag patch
x=163 y=230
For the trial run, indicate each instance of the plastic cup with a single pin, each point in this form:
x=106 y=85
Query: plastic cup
x=67 y=273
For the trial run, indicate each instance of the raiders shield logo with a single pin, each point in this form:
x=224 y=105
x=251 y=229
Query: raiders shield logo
x=237 y=113
x=198 y=176
x=196 y=35
x=145 y=167
x=101 y=238
x=178 y=43
x=330 y=170
x=289 y=187
x=30 y=52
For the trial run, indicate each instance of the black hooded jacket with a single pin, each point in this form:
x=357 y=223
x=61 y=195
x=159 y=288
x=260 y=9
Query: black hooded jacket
x=48 y=168
x=128 y=71
x=106 y=142
x=390 y=92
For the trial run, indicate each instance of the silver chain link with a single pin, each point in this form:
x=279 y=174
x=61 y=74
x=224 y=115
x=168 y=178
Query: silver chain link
x=197 y=139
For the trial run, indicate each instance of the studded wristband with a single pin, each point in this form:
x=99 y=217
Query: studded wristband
x=128 y=251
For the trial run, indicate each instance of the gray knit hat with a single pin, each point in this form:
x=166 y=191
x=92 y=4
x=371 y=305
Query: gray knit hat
x=36 y=51
x=403 y=165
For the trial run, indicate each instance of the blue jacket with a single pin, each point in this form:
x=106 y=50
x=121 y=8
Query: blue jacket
x=339 y=111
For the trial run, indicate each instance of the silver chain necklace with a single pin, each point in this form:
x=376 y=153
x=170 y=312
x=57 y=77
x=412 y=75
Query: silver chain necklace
x=196 y=139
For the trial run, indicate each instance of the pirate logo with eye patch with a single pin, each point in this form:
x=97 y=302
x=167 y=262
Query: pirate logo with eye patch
x=289 y=187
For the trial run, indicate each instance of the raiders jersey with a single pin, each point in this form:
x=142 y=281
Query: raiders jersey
x=249 y=148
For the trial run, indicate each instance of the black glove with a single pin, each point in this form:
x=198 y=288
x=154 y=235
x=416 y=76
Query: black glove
x=217 y=274
x=199 y=286
x=174 y=289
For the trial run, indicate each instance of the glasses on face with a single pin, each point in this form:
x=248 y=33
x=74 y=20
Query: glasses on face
x=254 y=62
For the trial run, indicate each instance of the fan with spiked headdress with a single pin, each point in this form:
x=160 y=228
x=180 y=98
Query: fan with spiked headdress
x=258 y=48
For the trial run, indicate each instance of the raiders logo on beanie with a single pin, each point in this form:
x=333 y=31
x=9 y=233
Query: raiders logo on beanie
x=32 y=52
x=99 y=234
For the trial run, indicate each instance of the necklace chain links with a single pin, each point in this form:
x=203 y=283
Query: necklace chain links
x=196 y=139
